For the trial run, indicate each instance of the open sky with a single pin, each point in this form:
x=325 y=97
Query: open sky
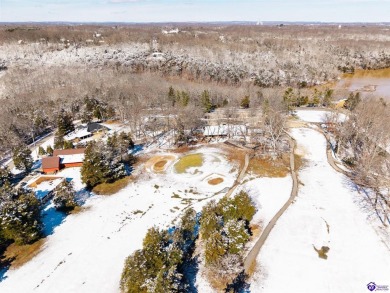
x=195 y=10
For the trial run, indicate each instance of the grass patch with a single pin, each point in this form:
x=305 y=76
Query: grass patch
x=298 y=162
x=252 y=268
x=322 y=253
x=215 y=181
x=112 y=188
x=238 y=156
x=137 y=212
x=175 y=195
x=189 y=161
x=268 y=167
x=21 y=254
x=156 y=186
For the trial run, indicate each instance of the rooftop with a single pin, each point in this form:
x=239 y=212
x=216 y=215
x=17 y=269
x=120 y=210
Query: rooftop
x=50 y=162
x=68 y=152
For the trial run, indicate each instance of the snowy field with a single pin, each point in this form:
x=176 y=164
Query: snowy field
x=327 y=212
x=86 y=252
x=269 y=195
x=316 y=116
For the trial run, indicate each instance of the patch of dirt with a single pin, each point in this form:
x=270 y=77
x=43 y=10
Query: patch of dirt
x=215 y=181
x=322 y=253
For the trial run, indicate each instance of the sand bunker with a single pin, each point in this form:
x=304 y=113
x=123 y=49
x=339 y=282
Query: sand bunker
x=215 y=181
x=159 y=164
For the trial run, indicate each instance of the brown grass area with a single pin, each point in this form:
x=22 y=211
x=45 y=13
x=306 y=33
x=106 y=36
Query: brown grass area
x=252 y=268
x=218 y=282
x=268 y=167
x=182 y=149
x=43 y=179
x=296 y=123
x=215 y=181
x=21 y=254
x=112 y=122
x=112 y=188
x=236 y=155
x=298 y=162
x=256 y=230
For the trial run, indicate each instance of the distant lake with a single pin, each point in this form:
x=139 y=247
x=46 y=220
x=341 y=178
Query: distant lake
x=368 y=82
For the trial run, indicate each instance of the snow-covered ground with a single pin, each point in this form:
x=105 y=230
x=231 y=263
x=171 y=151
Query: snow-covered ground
x=86 y=252
x=269 y=195
x=316 y=116
x=327 y=212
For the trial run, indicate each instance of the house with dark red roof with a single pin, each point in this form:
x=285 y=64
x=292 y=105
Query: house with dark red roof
x=63 y=159
x=50 y=165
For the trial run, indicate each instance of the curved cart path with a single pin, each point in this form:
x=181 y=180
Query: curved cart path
x=327 y=212
x=252 y=255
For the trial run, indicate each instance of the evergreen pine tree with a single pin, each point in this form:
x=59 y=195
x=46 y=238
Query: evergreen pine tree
x=59 y=141
x=214 y=247
x=22 y=158
x=64 y=196
x=95 y=168
x=20 y=215
x=171 y=96
x=64 y=123
x=185 y=98
x=41 y=151
x=206 y=102
x=5 y=176
x=237 y=235
x=134 y=274
x=49 y=150
x=245 y=102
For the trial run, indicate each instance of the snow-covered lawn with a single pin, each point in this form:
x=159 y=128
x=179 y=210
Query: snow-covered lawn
x=327 y=212
x=269 y=195
x=316 y=116
x=86 y=252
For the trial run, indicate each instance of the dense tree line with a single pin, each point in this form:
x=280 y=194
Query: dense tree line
x=157 y=267
x=224 y=230
x=20 y=216
x=362 y=142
